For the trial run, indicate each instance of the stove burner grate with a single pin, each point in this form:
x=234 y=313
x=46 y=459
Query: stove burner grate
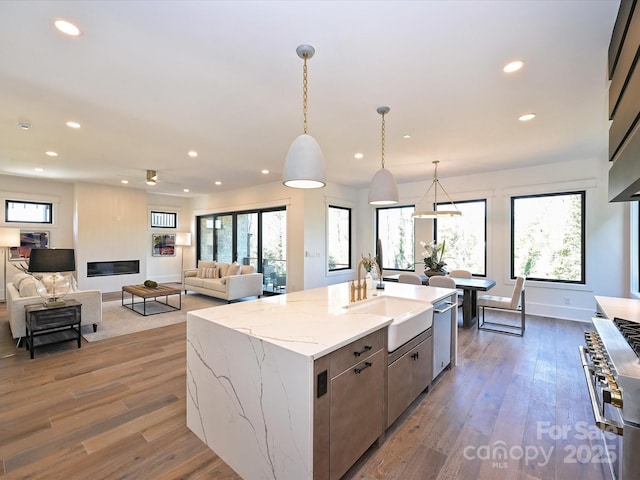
x=630 y=331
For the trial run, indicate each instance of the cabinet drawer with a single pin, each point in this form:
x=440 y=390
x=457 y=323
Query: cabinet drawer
x=40 y=320
x=356 y=352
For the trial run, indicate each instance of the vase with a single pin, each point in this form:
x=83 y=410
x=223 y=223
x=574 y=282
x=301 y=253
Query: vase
x=371 y=283
x=433 y=273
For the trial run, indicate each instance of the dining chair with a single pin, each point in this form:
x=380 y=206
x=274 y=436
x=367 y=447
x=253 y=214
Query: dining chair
x=412 y=278
x=442 y=281
x=514 y=303
x=460 y=274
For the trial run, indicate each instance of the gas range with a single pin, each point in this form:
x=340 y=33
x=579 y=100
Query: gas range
x=611 y=365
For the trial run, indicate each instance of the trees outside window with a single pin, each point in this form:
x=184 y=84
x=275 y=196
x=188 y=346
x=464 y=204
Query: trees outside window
x=338 y=238
x=465 y=237
x=548 y=237
x=394 y=228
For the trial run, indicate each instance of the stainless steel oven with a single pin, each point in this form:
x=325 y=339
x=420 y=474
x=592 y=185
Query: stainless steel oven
x=612 y=370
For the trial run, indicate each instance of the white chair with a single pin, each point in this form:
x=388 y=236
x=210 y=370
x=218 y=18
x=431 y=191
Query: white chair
x=460 y=274
x=412 y=278
x=513 y=303
x=442 y=281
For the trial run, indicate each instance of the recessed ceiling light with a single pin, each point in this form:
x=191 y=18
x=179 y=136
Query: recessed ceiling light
x=218 y=182
x=73 y=124
x=51 y=153
x=526 y=117
x=406 y=136
x=186 y=190
x=24 y=125
x=513 y=66
x=38 y=169
x=359 y=155
x=265 y=171
x=124 y=181
x=67 y=27
x=192 y=153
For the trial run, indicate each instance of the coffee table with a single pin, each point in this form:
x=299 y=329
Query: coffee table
x=152 y=294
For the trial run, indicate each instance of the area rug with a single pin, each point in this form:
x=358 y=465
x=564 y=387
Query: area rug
x=118 y=320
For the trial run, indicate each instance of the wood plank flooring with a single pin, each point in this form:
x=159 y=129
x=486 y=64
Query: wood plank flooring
x=115 y=409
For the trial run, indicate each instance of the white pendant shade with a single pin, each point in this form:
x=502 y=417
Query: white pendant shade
x=383 y=189
x=304 y=165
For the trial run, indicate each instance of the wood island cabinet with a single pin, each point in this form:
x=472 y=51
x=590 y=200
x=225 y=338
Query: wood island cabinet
x=349 y=404
x=410 y=372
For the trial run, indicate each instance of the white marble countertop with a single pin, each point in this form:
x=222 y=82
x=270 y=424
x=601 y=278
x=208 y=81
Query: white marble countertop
x=312 y=322
x=627 y=308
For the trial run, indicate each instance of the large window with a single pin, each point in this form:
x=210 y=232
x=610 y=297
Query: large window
x=548 y=237
x=257 y=238
x=465 y=237
x=394 y=229
x=338 y=238
x=27 y=212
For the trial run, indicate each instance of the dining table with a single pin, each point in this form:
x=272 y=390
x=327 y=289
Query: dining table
x=470 y=288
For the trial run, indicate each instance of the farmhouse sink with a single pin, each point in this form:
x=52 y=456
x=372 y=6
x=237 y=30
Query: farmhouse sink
x=410 y=317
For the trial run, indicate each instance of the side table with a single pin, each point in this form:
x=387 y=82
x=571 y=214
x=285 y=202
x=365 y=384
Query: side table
x=46 y=325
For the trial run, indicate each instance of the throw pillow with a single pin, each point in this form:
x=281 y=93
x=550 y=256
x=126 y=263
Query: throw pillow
x=223 y=269
x=211 y=272
x=28 y=287
x=234 y=269
x=202 y=266
x=18 y=279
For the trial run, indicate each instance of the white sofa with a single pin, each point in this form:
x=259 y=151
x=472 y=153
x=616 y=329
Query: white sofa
x=227 y=281
x=22 y=292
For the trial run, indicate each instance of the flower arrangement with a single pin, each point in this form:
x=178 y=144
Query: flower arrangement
x=367 y=263
x=432 y=256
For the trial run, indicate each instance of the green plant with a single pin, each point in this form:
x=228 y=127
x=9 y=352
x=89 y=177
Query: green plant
x=367 y=263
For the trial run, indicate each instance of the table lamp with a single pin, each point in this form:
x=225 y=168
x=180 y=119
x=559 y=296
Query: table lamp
x=9 y=237
x=54 y=286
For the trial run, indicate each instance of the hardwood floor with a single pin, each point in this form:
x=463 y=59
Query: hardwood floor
x=116 y=409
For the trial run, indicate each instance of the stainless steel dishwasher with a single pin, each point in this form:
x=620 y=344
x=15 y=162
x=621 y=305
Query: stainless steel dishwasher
x=442 y=331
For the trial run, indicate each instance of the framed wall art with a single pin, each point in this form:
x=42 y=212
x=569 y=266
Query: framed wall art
x=28 y=240
x=163 y=244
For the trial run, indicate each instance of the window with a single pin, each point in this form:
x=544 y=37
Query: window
x=164 y=219
x=548 y=237
x=394 y=228
x=465 y=237
x=28 y=212
x=339 y=238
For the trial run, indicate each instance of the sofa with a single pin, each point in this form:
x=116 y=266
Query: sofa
x=22 y=292
x=226 y=281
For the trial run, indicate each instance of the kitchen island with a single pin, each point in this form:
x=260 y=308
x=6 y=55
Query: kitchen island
x=255 y=394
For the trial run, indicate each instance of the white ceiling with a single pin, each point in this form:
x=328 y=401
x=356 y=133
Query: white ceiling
x=150 y=80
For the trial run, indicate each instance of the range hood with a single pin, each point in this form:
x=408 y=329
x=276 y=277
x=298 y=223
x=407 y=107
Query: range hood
x=624 y=174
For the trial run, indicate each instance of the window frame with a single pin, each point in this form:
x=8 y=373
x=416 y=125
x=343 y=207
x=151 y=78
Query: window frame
x=478 y=200
x=8 y=202
x=167 y=215
x=349 y=265
x=413 y=242
x=583 y=239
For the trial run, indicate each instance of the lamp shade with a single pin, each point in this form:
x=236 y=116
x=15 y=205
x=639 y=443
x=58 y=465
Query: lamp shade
x=304 y=164
x=47 y=260
x=9 y=237
x=183 y=239
x=383 y=189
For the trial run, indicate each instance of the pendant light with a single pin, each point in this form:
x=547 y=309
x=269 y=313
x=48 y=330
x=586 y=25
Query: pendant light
x=383 y=189
x=304 y=164
x=452 y=212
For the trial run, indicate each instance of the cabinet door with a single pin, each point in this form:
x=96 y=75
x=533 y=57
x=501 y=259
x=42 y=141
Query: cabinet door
x=422 y=367
x=408 y=377
x=357 y=397
x=441 y=342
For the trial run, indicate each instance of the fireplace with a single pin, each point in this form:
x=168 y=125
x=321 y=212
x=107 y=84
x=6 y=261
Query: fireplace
x=118 y=267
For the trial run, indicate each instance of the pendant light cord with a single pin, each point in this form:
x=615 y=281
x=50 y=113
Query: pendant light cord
x=304 y=94
x=382 y=137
